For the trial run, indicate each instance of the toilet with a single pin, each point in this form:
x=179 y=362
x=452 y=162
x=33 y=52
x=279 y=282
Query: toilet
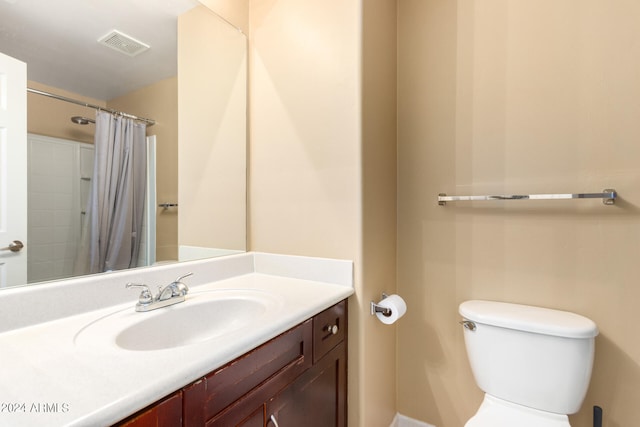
x=533 y=364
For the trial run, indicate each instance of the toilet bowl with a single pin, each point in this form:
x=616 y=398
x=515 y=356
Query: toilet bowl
x=496 y=412
x=534 y=364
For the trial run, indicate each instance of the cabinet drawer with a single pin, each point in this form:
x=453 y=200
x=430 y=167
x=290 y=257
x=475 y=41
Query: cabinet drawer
x=288 y=353
x=166 y=413
x=329 y=329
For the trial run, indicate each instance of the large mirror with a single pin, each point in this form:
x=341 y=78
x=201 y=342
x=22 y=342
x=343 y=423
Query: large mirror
x=191 y=82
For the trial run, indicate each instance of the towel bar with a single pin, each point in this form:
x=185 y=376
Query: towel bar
x=167 y=205
x=608 y=197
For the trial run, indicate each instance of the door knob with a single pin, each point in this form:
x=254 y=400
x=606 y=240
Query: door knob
x=14 y=246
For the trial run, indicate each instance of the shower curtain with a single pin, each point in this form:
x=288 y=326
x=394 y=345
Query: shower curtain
x=112 y=228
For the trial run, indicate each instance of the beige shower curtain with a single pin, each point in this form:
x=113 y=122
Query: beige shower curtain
x=112 y=228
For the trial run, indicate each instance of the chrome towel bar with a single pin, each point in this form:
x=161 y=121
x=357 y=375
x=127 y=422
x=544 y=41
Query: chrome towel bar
x=608 y=197
x=167 y=205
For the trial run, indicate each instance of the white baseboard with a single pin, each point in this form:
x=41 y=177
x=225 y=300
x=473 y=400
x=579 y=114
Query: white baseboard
x=403 y=421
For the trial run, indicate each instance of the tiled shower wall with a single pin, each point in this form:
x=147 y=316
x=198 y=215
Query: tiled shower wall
x=56 y=197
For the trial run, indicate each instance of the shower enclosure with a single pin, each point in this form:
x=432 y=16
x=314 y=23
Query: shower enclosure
x=59 y=179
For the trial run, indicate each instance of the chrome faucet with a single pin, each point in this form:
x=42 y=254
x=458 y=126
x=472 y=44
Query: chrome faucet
x=171 y=294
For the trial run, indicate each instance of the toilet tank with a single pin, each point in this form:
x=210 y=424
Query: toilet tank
x=531 y=356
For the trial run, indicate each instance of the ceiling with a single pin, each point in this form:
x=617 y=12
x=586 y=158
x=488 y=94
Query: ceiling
x=58 y=41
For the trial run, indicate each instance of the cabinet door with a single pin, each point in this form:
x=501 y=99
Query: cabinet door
x=317 y=398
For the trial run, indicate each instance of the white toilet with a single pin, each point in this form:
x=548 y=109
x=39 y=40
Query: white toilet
x=534 y=364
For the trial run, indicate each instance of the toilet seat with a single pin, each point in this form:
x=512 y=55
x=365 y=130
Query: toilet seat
x=496 y=412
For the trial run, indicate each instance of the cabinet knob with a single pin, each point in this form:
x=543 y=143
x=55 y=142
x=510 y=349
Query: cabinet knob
x=274 y=421
x=333 y=329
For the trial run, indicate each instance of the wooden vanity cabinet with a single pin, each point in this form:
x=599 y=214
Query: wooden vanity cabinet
x=315 y=397
x=298 y=378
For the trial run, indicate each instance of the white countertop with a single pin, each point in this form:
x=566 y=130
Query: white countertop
x=50 y=377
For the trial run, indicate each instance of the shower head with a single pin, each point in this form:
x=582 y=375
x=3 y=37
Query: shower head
x=81 y=120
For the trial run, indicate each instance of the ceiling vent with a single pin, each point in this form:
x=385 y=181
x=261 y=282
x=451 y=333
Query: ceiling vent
x=123 y=43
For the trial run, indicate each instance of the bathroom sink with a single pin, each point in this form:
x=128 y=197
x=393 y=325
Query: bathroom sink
x=202 y=317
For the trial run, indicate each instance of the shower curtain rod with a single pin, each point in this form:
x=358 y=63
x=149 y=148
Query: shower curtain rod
x=149 y=122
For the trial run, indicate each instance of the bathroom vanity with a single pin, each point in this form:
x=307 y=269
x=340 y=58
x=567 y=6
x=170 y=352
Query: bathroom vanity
x=297 y=378
x=259 y=340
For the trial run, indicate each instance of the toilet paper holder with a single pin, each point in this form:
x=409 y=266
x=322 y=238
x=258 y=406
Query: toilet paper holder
x=375 y=308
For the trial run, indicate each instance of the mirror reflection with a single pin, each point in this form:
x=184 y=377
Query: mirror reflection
x=191 y=82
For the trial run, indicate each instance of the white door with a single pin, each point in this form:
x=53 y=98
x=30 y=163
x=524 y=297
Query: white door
x=13 y=171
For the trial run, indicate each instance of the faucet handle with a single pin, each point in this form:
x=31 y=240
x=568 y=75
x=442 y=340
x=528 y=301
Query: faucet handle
x=145 y=296
x=180 y=287
x=179 y=279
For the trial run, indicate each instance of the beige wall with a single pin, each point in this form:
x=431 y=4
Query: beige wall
x=159 y=101
x=323 y=164
x=305 y=127
x=50 y=117
x=212 y=64
x=509 y=96
x=377 y=359
x=236 y=12
x=307 y=171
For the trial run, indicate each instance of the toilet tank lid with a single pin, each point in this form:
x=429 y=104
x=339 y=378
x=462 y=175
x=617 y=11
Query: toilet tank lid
x=528 y=318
